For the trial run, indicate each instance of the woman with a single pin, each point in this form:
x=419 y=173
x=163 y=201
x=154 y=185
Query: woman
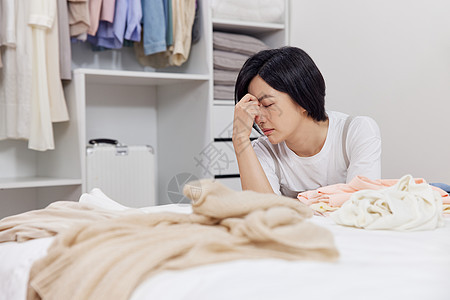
x=303 y=147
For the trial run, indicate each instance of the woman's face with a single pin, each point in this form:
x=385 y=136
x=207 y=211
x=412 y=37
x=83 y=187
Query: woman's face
x=280 y=116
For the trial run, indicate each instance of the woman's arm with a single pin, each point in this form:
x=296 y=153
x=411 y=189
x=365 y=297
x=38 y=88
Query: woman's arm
x=251 y=172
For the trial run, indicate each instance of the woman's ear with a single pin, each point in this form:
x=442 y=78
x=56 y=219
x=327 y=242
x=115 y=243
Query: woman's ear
x=301 y=110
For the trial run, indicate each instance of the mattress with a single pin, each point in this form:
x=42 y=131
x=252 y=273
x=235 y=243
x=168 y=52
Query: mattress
x=373 y=265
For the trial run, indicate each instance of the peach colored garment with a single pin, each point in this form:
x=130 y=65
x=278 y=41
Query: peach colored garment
x=335 y=195
x=107 y=12
x=95 y=7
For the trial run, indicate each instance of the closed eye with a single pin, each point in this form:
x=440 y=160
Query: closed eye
x=268 y=105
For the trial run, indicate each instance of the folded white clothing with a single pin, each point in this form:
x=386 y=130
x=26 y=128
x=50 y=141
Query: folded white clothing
x=98 y=198
x=268 y=11
x=404 y=206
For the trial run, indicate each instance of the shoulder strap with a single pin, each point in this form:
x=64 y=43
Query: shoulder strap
x=285 y=191
x=275 y=160
x=344 y=139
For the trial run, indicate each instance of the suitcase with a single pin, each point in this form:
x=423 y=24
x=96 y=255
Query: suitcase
x=126 y=174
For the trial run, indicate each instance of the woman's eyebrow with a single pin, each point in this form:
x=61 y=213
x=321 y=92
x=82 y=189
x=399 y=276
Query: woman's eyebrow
x=264 y=96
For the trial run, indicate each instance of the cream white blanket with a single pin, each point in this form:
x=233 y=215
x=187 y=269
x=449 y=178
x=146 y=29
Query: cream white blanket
x=404 y=206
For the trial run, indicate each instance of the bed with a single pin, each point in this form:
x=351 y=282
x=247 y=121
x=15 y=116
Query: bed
x=372 y=264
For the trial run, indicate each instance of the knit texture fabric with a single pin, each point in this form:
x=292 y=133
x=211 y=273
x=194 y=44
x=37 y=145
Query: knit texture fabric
x=108 y=259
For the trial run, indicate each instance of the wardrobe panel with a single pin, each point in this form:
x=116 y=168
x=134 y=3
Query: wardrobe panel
x=184 y=132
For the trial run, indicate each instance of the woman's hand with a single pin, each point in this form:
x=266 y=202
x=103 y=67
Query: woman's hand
x=245 y=113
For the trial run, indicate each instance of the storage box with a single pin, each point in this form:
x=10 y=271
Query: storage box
x=126 y=174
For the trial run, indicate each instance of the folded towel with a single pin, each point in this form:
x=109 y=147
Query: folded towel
x=238 y=43
x=225 y=60
x=404 y=206
x=223 y=92
x=270 y=11
x=224 y=77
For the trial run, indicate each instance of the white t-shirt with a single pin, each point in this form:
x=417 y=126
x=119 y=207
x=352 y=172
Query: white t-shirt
x=363 y=146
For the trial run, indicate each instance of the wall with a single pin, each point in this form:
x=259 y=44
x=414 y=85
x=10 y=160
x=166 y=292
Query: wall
x=389 y=60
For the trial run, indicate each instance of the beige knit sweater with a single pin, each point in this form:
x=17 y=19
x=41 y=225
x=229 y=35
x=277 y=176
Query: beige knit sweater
x=56 y=217
x=108 y=259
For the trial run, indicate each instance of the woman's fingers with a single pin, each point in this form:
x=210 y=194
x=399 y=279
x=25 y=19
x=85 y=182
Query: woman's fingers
x=245 y=112
x=250 y=105
x=248 y=98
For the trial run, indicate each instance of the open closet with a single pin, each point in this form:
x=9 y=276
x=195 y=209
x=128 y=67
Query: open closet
x=111 y=95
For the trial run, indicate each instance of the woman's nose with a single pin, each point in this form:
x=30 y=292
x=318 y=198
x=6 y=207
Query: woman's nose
x=258 y=120
x=262 y=115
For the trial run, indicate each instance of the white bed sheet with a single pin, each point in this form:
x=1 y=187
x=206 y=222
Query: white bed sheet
x=16 y=260
x=373 y=265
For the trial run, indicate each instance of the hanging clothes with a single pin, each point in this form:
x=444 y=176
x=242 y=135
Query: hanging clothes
x=8 y=21
x=126 y=25
x=65 y=52
x=110 y=35
x=168 y=12
x=134 y=18
x=31 y=94
x=183 y=13
x=196 y=27
x=58 y=107
x=48 y=103
x=42 y=16
x=79 y=20
x=94 y=15
x=24 y=71
x=154 y=36
x=153 y=49
x=107 y=12
x=8 y=86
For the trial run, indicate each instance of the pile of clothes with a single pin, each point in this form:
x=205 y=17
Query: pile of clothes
x=391 y=204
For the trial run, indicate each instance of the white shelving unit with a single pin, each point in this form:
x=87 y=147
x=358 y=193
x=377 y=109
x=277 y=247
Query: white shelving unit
x=112 y=96
x=163 y=110
x=31 y=182
x=245 y=26
x=274 y=35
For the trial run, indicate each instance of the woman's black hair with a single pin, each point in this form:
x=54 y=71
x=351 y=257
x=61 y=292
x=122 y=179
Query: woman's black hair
x=289 y=70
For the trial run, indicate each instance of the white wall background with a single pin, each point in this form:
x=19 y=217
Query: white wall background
x=388 y=59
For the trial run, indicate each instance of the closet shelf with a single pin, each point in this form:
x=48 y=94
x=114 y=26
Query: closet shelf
x=245 y=26
x=115 y=77
x=224 y=102
x=30 y=182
